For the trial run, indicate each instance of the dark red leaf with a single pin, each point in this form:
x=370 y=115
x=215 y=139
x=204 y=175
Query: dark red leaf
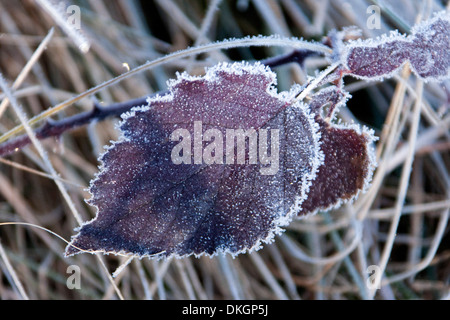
x=155 y=198
x=148 y=205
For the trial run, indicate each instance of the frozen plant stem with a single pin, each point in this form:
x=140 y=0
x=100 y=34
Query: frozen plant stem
x=55 y=128
x=225 y=44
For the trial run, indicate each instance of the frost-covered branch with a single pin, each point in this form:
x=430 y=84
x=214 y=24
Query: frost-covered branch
x=55 y=128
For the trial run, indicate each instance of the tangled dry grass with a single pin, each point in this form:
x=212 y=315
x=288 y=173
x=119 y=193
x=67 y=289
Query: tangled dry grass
x=399 y=225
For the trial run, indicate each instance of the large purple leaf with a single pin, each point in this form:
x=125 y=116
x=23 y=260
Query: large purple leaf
x=156 y=197
x=147 y=205
x=348 y=156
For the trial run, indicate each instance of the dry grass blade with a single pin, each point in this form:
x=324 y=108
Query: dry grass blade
x=15 y=281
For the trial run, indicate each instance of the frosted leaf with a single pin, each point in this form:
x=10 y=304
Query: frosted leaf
x=147 y=205
x=178 y=182
x=430 y=52
x=374 y=61
x=427 y=49
x=348 y=157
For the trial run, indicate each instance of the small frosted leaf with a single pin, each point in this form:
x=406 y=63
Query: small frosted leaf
x=427 y=49
x=430 y=51
x=348 y=157
x=377 y=61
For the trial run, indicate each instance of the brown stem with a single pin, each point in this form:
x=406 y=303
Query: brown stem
x=55 y=128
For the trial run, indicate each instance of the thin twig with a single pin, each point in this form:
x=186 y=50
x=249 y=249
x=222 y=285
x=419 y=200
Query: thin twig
x=55 y=128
